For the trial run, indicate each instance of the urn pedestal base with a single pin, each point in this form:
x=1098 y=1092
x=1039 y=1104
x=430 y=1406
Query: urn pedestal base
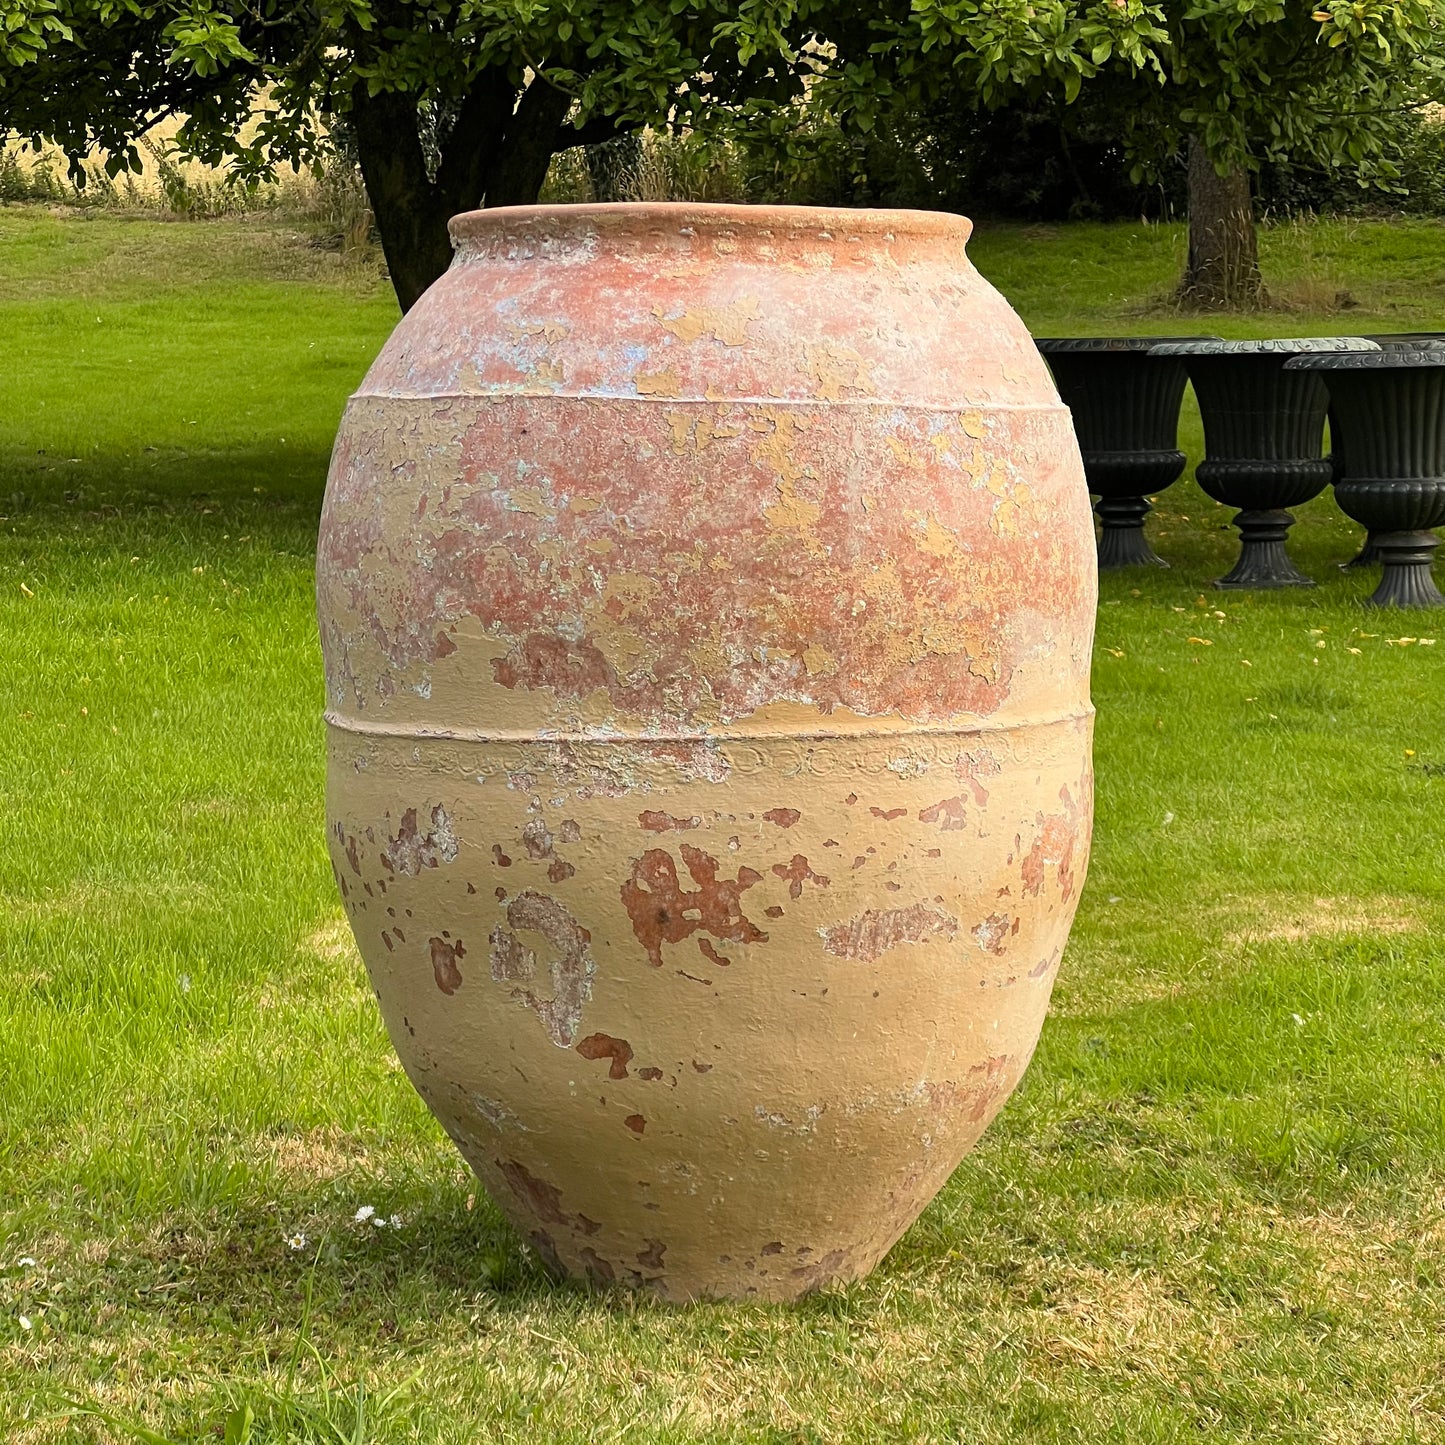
x=1367 y=556
x=1122 y=542
x=1406 y=580
x=1263 y=561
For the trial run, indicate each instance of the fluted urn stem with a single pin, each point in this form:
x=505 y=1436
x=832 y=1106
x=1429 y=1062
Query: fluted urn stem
x=1122 y=542
x=1367 y=556
x=1263 y=561
x=1406 y=580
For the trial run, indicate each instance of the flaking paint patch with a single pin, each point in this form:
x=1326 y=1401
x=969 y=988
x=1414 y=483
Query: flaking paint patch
x=446 y=957
x=875 y=931
x=663 y=911
x=570 y=969
x=658 y=383
x=410 y=849
x=727 y=324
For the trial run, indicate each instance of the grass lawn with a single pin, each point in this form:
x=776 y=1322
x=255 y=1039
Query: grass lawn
x=1213 y=1211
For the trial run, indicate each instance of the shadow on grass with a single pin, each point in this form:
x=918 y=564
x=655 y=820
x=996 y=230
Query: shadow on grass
x=164 y=481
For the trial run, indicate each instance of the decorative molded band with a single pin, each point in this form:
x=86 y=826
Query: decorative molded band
x=673 y=403
x=515 y=735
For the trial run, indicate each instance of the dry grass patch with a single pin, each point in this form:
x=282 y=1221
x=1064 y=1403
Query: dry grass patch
x=1286 y=918
x=333 y=942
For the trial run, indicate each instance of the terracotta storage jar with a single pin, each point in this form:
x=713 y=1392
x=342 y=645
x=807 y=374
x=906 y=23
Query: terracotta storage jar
x=706 y=595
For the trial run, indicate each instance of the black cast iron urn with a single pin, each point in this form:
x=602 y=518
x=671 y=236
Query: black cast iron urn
x=1390 y=459
x=1263 y=440
x=1125 y=404
x=1368 y=555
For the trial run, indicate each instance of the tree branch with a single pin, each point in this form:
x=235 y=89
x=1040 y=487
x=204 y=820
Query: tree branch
x=597 y=131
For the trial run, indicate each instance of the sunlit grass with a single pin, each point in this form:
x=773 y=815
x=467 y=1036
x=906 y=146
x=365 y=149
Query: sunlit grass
x=1213 y=1211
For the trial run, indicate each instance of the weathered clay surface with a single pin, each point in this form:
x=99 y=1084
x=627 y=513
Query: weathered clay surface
x=706 y=596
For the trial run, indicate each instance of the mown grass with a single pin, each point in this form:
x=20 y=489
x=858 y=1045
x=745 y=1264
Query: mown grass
x=1213 y=1211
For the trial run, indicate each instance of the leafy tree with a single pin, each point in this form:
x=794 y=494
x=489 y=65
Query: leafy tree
x=451 y=104
x=1248 y=82
x=1231 y=84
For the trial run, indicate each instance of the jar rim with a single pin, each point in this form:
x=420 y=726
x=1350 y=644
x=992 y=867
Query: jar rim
x=641 y=217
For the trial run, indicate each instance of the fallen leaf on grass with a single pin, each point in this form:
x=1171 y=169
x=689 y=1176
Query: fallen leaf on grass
x=1202 y=641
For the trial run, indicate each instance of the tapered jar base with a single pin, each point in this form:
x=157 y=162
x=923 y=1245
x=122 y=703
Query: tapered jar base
x=1263 y=562
x=1406 y=580
x=1122 y=542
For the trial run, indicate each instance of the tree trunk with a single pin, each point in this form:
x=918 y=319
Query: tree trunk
x=409 y=213
x=496 y=154
x=1222 y=273
x=615 y=168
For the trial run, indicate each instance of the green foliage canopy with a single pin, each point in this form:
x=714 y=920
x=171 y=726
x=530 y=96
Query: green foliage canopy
x=1252 y=80
x=458 y=103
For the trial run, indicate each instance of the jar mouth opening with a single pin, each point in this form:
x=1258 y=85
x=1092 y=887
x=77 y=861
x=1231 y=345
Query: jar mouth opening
x=641 y=218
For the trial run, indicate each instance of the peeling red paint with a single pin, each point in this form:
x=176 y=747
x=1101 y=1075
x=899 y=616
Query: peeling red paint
x=651 y=1256
x=444 y=957
x=783 y=817
x=1053 y=846
x=1045 y=964
x=598 y=1269
x=604 y=1046
x=797 y=872
x=650 y=1074
x=871 y=934
x=663 y=912
x=949 y=812
x=889 y=814
x=712 y=955
x=411 y=850
x=993 y=933
x=635 y=1122
x=995 y=1086
x=542 y=1199
x=657 y=822
x=560 y=871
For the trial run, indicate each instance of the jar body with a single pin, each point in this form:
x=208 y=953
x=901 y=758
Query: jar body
x=706 y=596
